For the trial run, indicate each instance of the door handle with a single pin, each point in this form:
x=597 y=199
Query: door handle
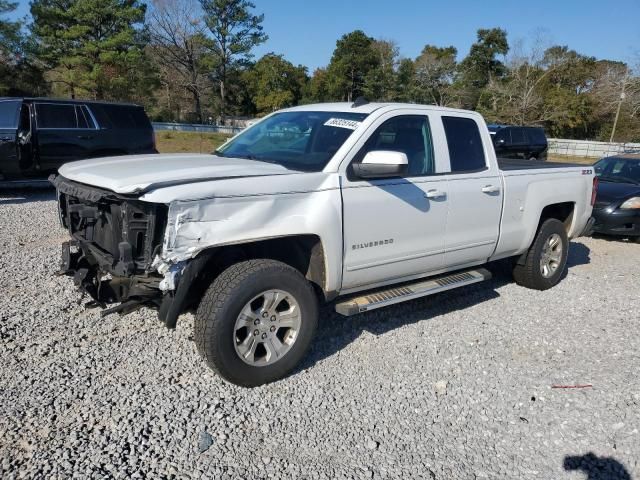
x=85 y=137
x=490 y=189
x=435 y=194
x=5 y=139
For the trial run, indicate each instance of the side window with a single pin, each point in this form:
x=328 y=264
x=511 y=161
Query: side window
x=9 y=112
x=617 y=166
x=51 y=115
x=101 y=116
x=536 y=136
x=502 y=137
x=518 y=137
x=465 y=144
x=409 y=134
x=82 y=121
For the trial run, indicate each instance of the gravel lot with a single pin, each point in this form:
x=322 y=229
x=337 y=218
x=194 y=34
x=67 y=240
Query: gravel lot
x=454 y=386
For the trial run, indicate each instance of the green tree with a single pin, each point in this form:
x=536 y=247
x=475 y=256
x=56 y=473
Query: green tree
x=275 y=83
x=482 y=65
x=9 y=46
x=179 y=48
x=354 y=58
x=19 y=73
x=93 y=47
x=235 y=31
x=566 y=90
x=435 y=73
x=9 y=31
x=405 y=81
x=380 y=81
x=318 y=87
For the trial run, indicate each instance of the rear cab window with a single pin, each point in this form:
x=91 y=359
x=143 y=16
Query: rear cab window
x=9 y=114
x=466 y=151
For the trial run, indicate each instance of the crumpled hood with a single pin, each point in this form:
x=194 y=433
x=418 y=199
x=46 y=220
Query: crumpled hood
x=138 y=173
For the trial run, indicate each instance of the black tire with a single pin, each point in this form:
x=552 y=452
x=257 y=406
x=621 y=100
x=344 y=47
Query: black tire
x=528 y=273
x=221 y=305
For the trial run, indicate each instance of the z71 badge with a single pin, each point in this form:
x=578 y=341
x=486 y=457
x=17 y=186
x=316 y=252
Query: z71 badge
x=377 y=243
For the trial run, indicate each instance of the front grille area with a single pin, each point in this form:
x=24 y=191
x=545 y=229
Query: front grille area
x=124 y=232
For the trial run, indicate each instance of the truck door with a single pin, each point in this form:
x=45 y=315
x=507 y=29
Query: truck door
x=475 y=194
x=394 y=227
x=9 y=118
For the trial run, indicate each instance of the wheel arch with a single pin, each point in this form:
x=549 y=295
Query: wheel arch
x=304 y=252
x=561 y=211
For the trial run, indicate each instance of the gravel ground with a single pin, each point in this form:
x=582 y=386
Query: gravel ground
x=454 y=386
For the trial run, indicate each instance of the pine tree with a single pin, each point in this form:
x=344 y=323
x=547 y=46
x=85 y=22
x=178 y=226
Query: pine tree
x=235 y=31
x=93 y=47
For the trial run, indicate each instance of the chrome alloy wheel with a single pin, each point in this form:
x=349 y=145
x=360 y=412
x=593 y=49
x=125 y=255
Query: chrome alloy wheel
x=267 y=328
x=551 y=255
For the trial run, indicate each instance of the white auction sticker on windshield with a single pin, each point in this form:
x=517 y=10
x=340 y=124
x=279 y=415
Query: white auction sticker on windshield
x=342 y=123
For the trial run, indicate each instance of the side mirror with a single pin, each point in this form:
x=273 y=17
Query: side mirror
x=382 y=164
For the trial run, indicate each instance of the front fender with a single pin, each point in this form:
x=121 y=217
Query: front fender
x=195 y=226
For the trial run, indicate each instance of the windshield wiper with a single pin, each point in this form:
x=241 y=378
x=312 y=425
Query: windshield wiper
x=247 y=157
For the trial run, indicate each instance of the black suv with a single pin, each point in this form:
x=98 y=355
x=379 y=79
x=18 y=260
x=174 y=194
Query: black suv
x=528 y=143
x=38 y=135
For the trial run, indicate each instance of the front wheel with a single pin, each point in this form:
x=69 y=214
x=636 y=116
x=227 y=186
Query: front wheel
x=256 y=321
x=546 y=259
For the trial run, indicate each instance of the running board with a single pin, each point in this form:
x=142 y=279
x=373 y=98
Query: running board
x=422 y=288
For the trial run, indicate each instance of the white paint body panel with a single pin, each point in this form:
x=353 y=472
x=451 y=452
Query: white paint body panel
x=391 y=230
x=374 y=232
x=135 y=173
x=526 y=195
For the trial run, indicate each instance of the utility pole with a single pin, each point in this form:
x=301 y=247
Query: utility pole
x=622 y=97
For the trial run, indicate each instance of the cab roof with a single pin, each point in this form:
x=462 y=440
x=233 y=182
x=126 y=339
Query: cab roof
x=67 y=100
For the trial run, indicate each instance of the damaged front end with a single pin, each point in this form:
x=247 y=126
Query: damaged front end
x=114 y=241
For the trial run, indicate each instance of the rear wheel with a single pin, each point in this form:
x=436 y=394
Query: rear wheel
x=256 y=322
x=546 y=259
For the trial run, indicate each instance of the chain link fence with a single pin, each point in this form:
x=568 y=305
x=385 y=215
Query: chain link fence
x=589 y=149
x=195 y=127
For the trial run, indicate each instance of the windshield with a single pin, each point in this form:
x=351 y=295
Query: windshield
x=296 y=140
x=9 y=114
x=620 y=170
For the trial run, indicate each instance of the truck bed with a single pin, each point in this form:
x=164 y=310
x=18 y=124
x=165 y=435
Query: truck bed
x=510 y=164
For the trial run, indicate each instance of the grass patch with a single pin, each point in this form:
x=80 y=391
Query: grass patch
x=188 y=142
x=572 y=159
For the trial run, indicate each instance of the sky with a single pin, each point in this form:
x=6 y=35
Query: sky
x=305 y=31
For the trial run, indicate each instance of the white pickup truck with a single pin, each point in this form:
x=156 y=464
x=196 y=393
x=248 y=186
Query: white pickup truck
x=363 y=205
